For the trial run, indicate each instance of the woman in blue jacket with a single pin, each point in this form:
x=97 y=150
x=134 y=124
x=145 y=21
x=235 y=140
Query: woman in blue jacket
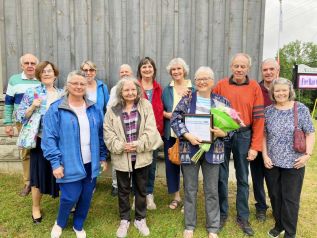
x=73 y=143
x=97 y=91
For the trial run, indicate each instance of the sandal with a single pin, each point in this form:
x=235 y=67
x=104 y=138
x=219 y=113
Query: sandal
x=174 y=204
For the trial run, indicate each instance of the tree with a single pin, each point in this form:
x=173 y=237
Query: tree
x=298 y=52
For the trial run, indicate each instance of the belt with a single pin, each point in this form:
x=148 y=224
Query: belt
x=243 y=129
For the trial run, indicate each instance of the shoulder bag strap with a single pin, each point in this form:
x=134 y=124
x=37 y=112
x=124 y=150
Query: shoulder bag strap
x=295 y=115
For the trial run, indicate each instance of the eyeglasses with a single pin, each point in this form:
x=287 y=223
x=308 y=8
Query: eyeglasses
x=29 y=63
x=202 y=80
x=49 y=71
x=76 y=84
x=89 y=70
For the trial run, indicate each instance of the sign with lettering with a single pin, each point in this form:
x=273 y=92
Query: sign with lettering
x=306 y=77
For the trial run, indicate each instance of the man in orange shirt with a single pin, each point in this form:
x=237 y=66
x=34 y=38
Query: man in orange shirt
x=245 y=97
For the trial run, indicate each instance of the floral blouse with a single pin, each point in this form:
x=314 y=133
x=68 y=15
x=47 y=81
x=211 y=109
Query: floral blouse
x=279 y=129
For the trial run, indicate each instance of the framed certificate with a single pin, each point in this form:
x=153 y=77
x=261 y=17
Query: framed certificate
x=199 y=125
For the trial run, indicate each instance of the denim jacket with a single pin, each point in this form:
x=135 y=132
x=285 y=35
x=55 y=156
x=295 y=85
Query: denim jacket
x=187 y=105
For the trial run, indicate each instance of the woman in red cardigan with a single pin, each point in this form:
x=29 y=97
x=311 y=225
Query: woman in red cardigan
x=153 y=92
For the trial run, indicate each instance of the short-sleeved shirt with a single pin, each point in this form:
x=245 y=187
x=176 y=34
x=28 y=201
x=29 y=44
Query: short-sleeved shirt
x=279 y=129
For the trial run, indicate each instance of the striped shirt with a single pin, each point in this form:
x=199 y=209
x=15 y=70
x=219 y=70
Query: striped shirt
x=130 y=125
x=202 y=105
x=17 y=86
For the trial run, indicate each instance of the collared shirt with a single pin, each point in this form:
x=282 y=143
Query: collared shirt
x=246 y=81
x=130 y=125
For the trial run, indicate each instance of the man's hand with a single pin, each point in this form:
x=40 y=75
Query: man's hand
x=252 y=155
x=9 y=130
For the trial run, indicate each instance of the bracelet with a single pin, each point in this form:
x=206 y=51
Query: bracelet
x=309 y=154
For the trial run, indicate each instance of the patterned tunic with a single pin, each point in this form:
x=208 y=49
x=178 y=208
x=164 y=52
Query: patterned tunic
x=279 y=129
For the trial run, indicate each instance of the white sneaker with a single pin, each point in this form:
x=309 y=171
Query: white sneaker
x=142 y=227
x=133 y=203
x=123 y=228
x=80 y=234
x=56 y=231
x=150 y=204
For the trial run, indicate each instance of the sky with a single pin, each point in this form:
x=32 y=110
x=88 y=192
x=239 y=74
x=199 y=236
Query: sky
x=299 y=23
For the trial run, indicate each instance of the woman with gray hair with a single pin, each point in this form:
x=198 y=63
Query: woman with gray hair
x=200 y=102
x=285 y=166
x=131 y=135
x=73 y=143
x=172 y=94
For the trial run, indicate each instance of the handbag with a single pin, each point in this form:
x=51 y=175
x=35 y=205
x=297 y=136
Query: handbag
x=173 y=153
x=28 y=134
x=299 y=143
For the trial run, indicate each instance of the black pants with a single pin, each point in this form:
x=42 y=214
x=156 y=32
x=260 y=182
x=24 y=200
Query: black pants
x=284 y=187
x=124 y=180
x=258 y=174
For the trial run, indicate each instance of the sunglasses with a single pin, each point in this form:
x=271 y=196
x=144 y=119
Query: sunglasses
x=89 y=70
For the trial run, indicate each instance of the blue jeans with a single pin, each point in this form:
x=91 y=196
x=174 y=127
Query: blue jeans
x=77 y=193
x=239 y=145
x=151 y=176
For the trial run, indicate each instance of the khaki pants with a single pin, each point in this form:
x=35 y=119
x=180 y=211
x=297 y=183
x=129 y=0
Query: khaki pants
x=25 y=157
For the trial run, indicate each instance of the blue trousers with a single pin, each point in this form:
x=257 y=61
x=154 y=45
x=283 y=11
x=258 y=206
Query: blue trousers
x=151 y=175
x=239 y=145
x=77 y=193
x=258 y=174
x=172 y=170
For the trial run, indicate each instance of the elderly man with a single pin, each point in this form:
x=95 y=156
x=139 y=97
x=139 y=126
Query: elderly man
x=270 y=70
x=17 y=86
x=245 y=97
x=124 y=71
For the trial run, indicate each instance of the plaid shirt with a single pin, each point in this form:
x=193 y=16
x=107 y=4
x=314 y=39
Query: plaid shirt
x=130 y=125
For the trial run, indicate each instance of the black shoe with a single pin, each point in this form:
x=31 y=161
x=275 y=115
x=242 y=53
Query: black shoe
x=261 y=215
x=275 y=232
x=114 y=192
x=223 y=220
x=37 y=220
x=245 y=227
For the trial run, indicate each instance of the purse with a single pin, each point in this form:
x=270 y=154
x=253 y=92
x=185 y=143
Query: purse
x=299 y=142
x=173 y=153
x=28 y=134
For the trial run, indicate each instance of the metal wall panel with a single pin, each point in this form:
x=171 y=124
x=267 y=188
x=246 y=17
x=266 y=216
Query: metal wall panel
x=112 y=32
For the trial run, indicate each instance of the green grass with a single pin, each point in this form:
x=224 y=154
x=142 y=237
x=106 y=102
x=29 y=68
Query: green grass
x=103 y=218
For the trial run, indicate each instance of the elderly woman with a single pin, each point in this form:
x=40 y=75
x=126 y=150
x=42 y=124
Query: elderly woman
x=152 y=91
x=285 y=167
x=131 y=135
x=73 y=143
x=172 y=94
x=96 y=90
x=200 y=102
x=37 y=101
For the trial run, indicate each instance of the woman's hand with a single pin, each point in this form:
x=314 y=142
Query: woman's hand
x=218 y=132
x=104 y=165
x=301 y=161
x=185 y=92
x=130 y=147
x=192 y=139
x=267 y=162
x=167 y=115
x=59 y=172
x=36 y=103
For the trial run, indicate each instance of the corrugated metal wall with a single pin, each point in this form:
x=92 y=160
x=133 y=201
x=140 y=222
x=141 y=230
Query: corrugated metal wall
x=112 y=32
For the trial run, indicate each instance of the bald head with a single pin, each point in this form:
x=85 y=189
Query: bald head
x=125 y=71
